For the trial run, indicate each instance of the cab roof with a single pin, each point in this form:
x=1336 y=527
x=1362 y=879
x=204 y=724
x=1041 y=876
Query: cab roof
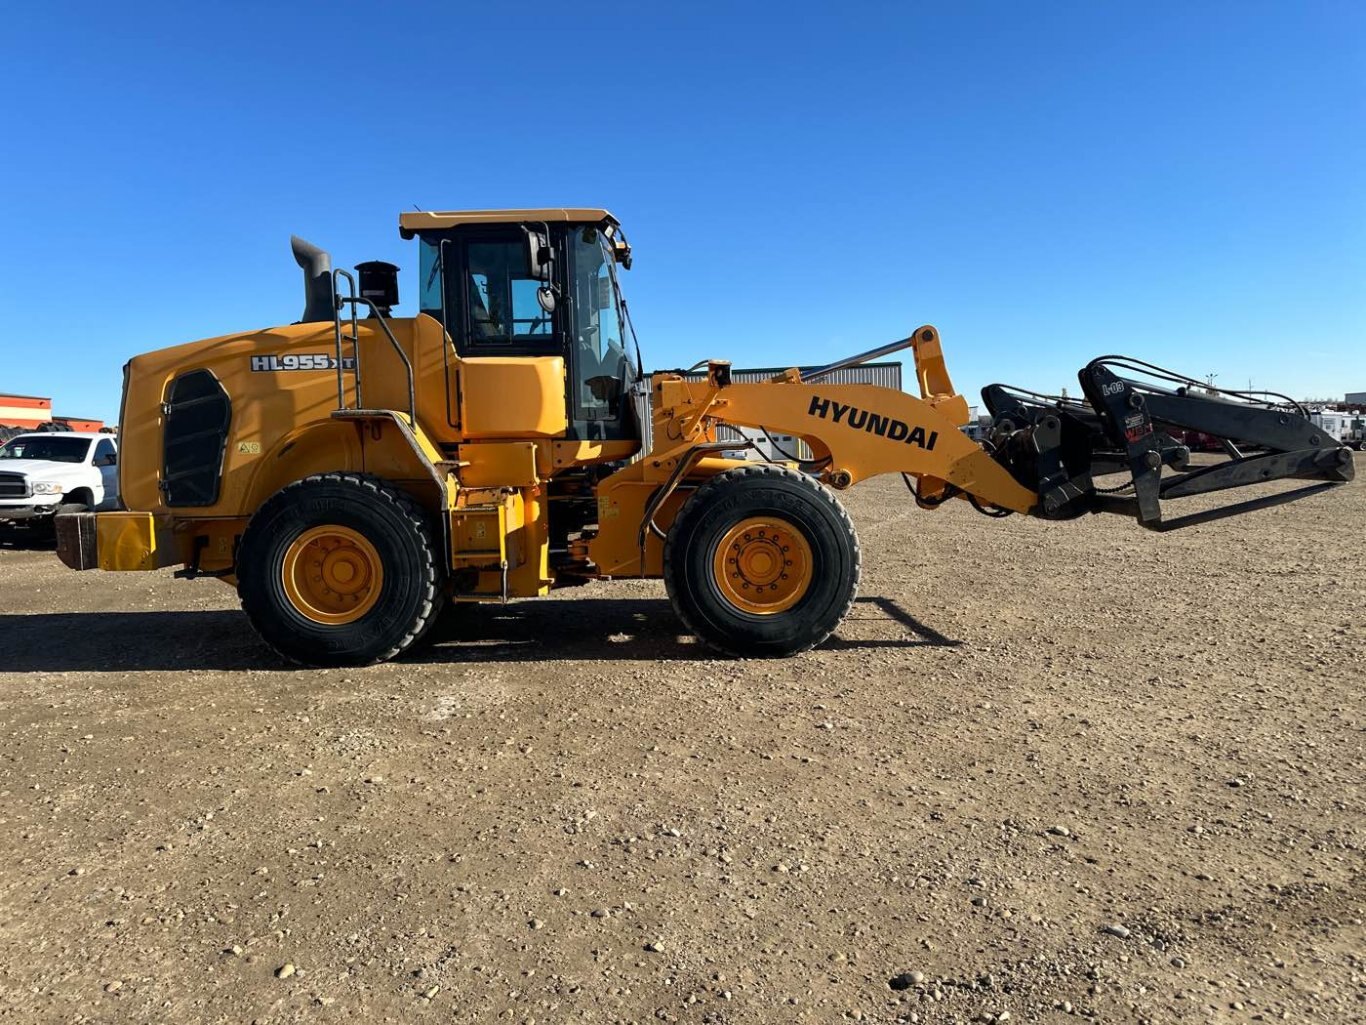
x=409 y=224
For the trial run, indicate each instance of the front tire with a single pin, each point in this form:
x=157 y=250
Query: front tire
x=78 y=501
x=339 y=569
x=762 y=561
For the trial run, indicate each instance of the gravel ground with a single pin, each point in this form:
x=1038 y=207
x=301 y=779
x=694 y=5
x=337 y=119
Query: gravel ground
x=1045 y=772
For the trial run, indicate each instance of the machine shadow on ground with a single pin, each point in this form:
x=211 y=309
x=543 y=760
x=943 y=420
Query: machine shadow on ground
x=619 y=629
x=610 y=629
x=27 y=542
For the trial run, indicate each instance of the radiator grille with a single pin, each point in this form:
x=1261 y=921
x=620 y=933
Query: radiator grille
x=194 y=439
x=13 y=485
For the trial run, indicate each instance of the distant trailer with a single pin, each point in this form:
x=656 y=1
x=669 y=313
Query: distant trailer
x=1334 y=423
x=1346 y=427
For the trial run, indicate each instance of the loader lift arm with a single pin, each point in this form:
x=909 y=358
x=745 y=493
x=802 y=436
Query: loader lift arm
x=1045 y=452
x=855 y=431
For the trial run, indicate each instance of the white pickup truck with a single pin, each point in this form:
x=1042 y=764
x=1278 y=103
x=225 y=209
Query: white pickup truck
x=69 y=471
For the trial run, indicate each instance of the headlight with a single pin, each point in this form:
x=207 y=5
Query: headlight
x=46 y=487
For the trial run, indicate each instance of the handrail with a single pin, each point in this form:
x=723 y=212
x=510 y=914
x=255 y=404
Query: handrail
x=353 y=299
x=339 y=301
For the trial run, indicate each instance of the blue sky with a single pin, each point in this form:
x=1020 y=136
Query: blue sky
x=1045 y=182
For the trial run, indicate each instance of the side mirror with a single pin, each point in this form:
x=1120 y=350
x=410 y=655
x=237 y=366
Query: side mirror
x=540 y=257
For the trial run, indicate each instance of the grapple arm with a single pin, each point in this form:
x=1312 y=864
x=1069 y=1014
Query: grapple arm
x=1137 y=425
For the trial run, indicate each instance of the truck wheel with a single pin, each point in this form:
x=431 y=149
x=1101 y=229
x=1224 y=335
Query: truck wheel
x=339 y=569
x=78 y=501
x=762 y=561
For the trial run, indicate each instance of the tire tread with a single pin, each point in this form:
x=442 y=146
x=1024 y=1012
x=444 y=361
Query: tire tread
x=407 y=508
x=697 y=505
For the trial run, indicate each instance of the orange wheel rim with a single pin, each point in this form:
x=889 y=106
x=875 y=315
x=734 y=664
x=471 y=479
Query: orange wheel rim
x=763 y=565
x=332 y=575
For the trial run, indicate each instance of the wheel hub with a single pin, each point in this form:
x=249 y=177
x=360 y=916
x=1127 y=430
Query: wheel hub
x=763 y=565
x=332 y=575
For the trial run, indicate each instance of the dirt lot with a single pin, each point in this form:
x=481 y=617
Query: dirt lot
x=1045 y=771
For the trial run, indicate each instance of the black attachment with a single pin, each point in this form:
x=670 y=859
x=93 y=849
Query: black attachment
x=1058 y=445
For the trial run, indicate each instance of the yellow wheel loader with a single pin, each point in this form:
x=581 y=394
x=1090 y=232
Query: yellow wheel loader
x=352 y=472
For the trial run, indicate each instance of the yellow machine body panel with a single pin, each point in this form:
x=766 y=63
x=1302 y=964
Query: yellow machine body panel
x=482 y=531
x=134 y=541
x=498 y=546
x=494 y=464
x=623 y=499
x=482 y=423
x=282 y=386
x=414 y=221
x=571 y=453
x=512 y=397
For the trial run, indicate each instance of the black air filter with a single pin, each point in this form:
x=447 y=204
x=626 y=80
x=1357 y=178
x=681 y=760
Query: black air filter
x=379 y=284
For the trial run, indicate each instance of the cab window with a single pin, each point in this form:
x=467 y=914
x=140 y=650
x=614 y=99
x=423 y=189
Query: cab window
x=491 y=306
x=600 y=367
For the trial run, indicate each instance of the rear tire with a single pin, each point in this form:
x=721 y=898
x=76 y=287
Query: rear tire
x=762 y=561
x=339 y=569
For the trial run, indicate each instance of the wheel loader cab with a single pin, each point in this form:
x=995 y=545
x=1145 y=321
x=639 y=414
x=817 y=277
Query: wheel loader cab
x=534 y=285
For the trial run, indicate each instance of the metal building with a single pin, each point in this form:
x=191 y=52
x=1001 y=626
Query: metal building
x=24 y=410
x=885 y=375
x=35 y=411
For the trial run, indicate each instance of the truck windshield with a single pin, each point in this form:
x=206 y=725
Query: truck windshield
x=46 y=446
x=601 y=367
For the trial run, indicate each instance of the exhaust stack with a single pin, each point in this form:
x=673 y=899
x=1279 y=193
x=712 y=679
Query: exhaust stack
x=319 y=300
